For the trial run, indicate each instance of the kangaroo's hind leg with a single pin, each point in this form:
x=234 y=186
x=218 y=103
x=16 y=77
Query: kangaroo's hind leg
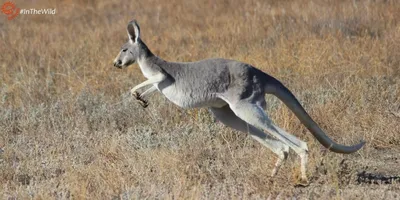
x=227 y=117
x=253 y=114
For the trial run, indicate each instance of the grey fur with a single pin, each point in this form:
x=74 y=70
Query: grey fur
x=232 y=89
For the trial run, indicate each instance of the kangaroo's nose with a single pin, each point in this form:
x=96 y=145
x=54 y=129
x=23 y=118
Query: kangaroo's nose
x=117 y=63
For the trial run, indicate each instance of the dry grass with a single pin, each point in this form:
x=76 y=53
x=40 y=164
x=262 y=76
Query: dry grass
x=68 y=130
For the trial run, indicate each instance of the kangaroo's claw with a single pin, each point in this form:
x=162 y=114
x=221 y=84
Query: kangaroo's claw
x=141 y=101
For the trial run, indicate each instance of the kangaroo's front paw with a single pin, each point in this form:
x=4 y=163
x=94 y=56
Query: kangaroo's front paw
x=143 y=103
x=139 y=98
x=136 y=95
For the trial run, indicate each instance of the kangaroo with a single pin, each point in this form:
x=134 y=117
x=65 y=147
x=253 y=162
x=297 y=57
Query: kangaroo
x=233 y=91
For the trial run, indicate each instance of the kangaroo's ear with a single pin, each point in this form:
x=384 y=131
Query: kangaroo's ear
x=133 y=31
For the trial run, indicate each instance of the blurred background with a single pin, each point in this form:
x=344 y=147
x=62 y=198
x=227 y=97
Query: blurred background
x=68 y=128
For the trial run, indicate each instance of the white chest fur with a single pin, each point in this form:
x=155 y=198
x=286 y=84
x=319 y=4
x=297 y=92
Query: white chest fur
x=176 y=96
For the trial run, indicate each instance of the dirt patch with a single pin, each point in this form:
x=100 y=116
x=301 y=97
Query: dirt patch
x=375 y=176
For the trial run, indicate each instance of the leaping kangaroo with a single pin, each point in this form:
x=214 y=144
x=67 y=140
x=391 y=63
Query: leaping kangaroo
x=233 y=91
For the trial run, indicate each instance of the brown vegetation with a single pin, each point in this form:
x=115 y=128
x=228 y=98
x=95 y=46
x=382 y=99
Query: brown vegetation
x=68 y=129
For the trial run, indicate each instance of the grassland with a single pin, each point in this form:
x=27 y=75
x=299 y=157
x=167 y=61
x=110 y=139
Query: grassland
x=68 y=129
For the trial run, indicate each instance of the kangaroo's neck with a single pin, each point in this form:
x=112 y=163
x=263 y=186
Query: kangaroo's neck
x=149 y=64
x=144 y=50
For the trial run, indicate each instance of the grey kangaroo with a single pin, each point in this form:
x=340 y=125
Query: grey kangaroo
x=234 y=93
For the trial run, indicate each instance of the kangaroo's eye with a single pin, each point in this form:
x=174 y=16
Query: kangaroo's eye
x=123 y=50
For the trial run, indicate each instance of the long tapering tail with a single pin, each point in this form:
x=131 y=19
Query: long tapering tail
x=279 y=90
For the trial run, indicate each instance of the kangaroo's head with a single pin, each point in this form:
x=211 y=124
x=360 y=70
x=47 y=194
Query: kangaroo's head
x=133 y=49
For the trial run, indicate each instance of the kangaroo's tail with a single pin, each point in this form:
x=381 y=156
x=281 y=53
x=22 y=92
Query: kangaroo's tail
x=276 y=88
